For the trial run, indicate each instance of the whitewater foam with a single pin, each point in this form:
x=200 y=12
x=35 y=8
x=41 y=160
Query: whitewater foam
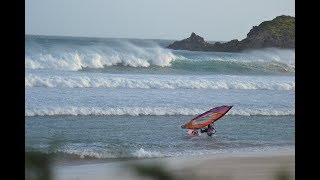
x=155 y=111
x=92 y=153
x=160 y=82
x=286 y=56
x=79 y=55
x=98 y=57
x=141 y=153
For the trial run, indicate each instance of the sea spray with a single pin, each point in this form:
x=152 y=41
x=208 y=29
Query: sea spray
x=97 y=56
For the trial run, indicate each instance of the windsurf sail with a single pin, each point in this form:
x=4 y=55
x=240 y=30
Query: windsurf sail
x=206 y=118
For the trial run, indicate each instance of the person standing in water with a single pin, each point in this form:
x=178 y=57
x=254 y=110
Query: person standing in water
x=209 y=127
x=209 y=130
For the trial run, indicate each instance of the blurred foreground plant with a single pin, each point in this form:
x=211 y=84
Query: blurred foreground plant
x=38 y=164
x=282 y=174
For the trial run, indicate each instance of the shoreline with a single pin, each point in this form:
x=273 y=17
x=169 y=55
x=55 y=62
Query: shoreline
x=241 y=166
x=243 y=152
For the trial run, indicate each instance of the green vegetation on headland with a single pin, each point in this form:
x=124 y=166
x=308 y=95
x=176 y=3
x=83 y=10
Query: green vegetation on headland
x=279 y=33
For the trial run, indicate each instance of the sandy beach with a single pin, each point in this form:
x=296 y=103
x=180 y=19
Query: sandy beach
x=237 y=166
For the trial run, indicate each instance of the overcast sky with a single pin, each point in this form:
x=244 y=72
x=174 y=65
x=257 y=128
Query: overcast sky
x=220 y=20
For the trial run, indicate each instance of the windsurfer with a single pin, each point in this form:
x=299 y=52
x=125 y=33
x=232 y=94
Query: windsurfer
x=206 y=129
x=206 y=120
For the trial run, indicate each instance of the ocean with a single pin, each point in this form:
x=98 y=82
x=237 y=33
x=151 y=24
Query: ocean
x=113 y=99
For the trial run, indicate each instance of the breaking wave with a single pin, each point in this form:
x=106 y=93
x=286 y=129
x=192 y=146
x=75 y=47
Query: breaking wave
x=157 y=82
x=154 y=111
x=78 y=57
x=87 y=153
x=73 y=55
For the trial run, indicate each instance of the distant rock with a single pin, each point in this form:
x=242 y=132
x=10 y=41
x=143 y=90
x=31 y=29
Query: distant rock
x=279 y=32
x=193 y=43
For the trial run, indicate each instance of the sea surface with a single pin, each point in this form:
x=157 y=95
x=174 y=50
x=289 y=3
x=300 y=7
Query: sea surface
x=113 y=99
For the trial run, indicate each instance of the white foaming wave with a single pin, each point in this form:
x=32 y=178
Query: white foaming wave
x=286 y=56
x=218 y=153
x=263 y=112
x=91 y=58
x=88 y=153
x=158 y=111
x=141 y=153
x=100 y=154
x=153 y=83
x=132 y=111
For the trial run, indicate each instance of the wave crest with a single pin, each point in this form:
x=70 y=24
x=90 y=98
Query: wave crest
x=155 y=83
x=88 y=153
x=156 y=111
x=99 y=57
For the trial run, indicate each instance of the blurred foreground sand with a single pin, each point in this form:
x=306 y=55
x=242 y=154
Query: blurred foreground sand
x=257 y=166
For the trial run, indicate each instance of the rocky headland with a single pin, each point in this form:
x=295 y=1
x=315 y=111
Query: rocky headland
x=279 y=33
